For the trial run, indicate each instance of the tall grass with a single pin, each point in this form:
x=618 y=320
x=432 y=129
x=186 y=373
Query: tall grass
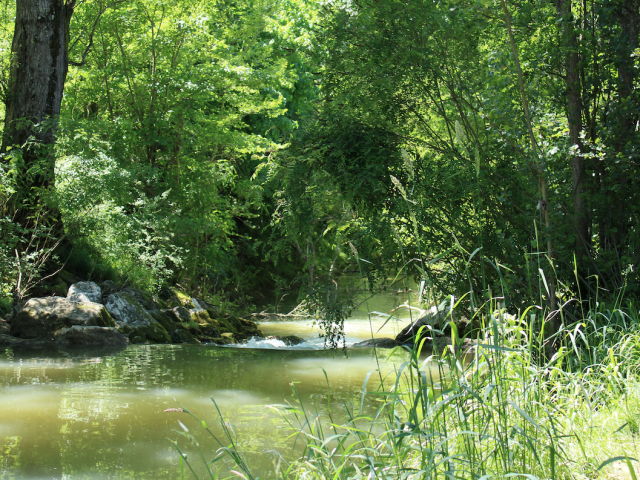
x=498 y=409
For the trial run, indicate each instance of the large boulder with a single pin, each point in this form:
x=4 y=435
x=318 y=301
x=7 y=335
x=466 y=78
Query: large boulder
x=42 y=317
x=4 y=327
x=83 y=292
x=90 y=336
x=126 y=310
x=133 y=320
x=148 y=301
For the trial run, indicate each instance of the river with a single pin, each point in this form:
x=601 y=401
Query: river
x=100 y=415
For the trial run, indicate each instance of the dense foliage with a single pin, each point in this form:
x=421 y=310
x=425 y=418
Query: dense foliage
x=237 y=146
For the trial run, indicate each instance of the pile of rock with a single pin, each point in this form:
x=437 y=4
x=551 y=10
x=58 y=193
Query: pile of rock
x=93 y=314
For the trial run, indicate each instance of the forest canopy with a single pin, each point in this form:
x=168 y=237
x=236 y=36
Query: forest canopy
x=244 y=147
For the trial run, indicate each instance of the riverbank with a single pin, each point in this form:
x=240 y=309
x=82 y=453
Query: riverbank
x=68 y=311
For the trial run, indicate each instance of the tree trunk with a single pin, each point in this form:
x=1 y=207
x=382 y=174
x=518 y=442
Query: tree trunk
x=38 y=71
x=629 y=15
x=574 y=118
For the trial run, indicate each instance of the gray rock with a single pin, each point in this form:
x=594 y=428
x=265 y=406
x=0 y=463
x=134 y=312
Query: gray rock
x=42 y=317
x=108 y=287
x=90 y=336
x=84 y=292
x=144 y=298
x=378 y=342
x=126 y=310
x=4 y=327
x=178 y=314
x=429 y=322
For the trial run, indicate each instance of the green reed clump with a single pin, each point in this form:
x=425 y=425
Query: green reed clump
x=483 y=409
x=486 y=412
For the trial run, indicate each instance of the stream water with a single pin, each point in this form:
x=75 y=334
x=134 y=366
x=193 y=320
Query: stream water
x=99 y=415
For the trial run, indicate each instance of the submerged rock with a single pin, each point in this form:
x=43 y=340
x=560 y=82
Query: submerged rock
x=289 y=340
x=90 y=336
x=378 y=342
x=83 y=292
x=42 y=317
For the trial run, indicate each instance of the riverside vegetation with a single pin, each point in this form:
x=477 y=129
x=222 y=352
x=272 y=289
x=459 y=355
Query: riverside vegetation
x=233 y=151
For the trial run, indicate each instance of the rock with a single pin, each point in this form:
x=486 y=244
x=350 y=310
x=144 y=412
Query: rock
x=197 y=306
x=429 y=321
x=9 y=341
x=183 y=336
x=289 y=340
x=60 y=288
x=378 y=342
x=152 y=333
x=178 y=314
x=163 y=319
x=42 y=317
x=126 y=310
x=90 y=336
x=4 y=327
x=228 y=338
x=108 y=287
x=240 y=327
x=144 y=298
x=83 y=292
x=133 y=320
x=178 y=298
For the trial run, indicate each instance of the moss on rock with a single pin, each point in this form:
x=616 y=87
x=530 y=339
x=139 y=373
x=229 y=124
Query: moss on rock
x=164 y=320
x=154 y=332
x=183 y=336
x=178 y=298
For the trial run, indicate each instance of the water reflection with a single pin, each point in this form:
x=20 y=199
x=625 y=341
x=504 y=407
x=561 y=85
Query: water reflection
x=73 y=415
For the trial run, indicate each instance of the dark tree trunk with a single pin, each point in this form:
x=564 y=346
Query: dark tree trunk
x=574 y=117
x=38 y=72
x=623 y=130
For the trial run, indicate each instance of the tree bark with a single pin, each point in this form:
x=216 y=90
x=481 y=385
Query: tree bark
x=34 y=96
x=629 y=15
x=574 y=117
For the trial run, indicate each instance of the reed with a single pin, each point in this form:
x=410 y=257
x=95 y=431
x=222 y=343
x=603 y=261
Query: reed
x=496 y=410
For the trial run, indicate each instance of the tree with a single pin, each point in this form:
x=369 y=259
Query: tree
x=39 y=67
